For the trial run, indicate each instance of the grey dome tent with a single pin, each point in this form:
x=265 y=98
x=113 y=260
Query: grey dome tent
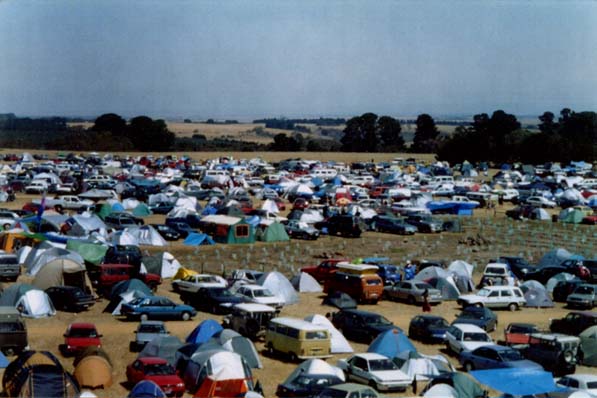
x=553 y=281
x=279 y=285
x=163 y=347
x=537 y=296
x=305 y=283
x=448 y=289
x=588 y=341
x=554 y=257
x=340 y=300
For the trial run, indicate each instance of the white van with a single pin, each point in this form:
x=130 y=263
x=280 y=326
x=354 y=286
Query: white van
x=324 y=173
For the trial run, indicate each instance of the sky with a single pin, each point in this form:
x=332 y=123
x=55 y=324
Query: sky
x=249 y=59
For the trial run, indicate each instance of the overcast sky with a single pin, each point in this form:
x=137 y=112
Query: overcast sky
x=246 y=59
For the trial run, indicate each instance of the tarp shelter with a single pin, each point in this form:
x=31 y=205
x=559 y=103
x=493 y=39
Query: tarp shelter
x=422 y=367
x=339 y=344
x=146 y=389
x=340 y=300
x=271 y=231
x=196 y=239
x=516 y=381
x=204 y=331
x=227 y=229
x=279 y=285
x=305 y=283
x=31 y=302
x=93 y=370
x=38 y=374
x=588 y=341
x=92 y=253
x=62 y=271
x=391 y=343
x=163 y=347
x=314 y=366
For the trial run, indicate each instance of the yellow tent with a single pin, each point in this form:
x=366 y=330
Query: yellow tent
x=183 y=273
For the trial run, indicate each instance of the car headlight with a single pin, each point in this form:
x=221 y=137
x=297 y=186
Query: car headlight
x=179 y=384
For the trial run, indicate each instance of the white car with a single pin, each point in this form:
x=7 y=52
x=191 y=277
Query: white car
x=579 y=382
x=192 y=283
x=376 y=370
x=260 y=295
x=36 y=186
x=7 y=218
x=466 y=337
x=541 y=201
x=510 y=297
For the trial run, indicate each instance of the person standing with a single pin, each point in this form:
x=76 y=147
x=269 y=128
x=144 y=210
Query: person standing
x=426 y=305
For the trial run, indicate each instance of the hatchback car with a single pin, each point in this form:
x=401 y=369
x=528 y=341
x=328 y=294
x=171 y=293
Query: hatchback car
x=361 y=325
x=465 y=337
x=156 y=307
x=166 y=232
x=78 y=337
x=510 y=297
x=307 y=385
x=217 y=300
x=147 y=331
x=192 y=283
x=260 y=295
x=157 y=370
x=495 y=356
x=428 y=328
x=479 y=316
x=584 y=296
x=375 y=370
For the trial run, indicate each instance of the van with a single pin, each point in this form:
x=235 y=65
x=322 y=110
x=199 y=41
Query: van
x=324 y=173
x=363 y=287
x=297 y=338
x=13 y=332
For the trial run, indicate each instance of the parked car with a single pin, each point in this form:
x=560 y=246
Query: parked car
x=510 y=297
x=37 y=187
x=590 y=265
x=521 y=212
x=156 y=307
x=307 y=385
x=10 y=269
x=557 y=353
x=348 y=390
x=166 y=232
x=428 y=328
x=479 y=316
x=363 y=287
x=161 y=207
x=584 y=296
x=123 y=254
x=425 y=223
x=541 y=201
x=157 y=370
x=466 y=337
x=147 y=331
x=217 y=300
x=563 y=289
x=192 y=283
x=7 y=218
x=13 y=331
x=121 y=220
x=70 y=298
x=181 y=227
x=392 y=225
x=250 y=319
x=375 y=370
x=573 y=323
x=412 y=292
x=260 y=295
x=390 y=274
x=495 y=356
x=519 y=333
x=343 y=225
x=361 y=325
x=518 y=265
x=579 y=382
x=105 y=276
x=300 y=230
x=324 y=270
x=545 y=273
x=78 y=337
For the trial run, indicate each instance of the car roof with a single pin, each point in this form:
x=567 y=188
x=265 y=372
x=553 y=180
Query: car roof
x=370 y=355
x=348 y=387
x=254 y=307
x=359 y=312
x=151 y=323
x=82 y=325
x=298 y=323
x=429 y=317
x=467 y=327
x=253 y=287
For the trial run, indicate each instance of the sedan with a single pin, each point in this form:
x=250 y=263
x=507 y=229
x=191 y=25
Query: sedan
x=429 y=328
x=216 y=300
x=260 y=295
x=392 y=225
x=192 y=283
x=157 y=370
x=375 y=370
x=480 y=316
x=541 y=201
x=70 y=298
x=307 y=385
x=161 y=208
x=495 y=356
x=166 y=232
x=412 y=292
x=466 y=337
x=301 y=230
x=156 y=307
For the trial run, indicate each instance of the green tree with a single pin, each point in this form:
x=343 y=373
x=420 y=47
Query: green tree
x=110 y=122
x=390 y=134
x=147 y=134
x=548 y=125
x=368 y=133
x=426 y=134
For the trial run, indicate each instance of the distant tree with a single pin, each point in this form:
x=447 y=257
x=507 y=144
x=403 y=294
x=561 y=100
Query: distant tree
x=110 y=122
x=147 y=134
x=188 y=121
x=390 y=134
x=579 y=136
x=547 y=125
x=565 y=115
x=367 y=133
x=283 y=142
x=426 y=134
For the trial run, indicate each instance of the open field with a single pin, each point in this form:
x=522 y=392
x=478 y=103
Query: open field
x=504 y=237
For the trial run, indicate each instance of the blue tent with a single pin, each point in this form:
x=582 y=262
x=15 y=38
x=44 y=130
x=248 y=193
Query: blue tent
x=316 y=181
x=117 y=207
x=208 y=211
x=516 y=381
x=204 y=331
x=146 y=389
x=3 y=361
x=391 y=343
x=196 y=239
x=128 y=285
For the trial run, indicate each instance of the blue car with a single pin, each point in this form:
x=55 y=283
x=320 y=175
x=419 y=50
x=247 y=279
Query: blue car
x=156 y=307
x=495 y=356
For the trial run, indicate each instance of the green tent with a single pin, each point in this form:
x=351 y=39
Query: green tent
x=103 y=210
x=91 y=252
x=141 y=210
x=228 y=229
x=274 y=232
x=574 y=216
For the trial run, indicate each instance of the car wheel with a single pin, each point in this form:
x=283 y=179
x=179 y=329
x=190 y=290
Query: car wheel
x=144 y=317
x=270 y=349
x=411 y=299
x=468 y=366
x=373 y=385
x=478 y=305
x=186 y=316
x=513 y=307
x=293 y=357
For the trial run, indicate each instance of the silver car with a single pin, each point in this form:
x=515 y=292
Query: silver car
x=412 y=292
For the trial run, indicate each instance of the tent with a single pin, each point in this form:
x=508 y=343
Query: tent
x=441 y=391
x=146 y=389
x=196 y=239
x=146 y=235
x=391 y=343
x=31 y=302
x=314 y=366
x=305 y=283
x=90 y=252
x=243 y=347
x=204 y=331
x=339 y=344
x=93 y=370
x=536 y=295
x=228 y=229
x=40 y=256
x=422 y=367
x=571 y=215
x=447 y=287
x=461 y=267
x=163 y=264
x=183 y=273
x=540 y=214
x=62 y=271
x=38 y=374
x=163 y=347
x=271 y=231
x=279 y=285
x=141 y=210
x=340 y=300
x=462 y=385
x=129 y=285
x=554 y=257
x=553 y=281
x=516 y=381
x=588 y=341
x=431 y=272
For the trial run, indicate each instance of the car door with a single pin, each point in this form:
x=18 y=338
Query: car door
x=403 y=290
x=493 y=299
x=484 y=358
x=453 y=337
x=415 y=327
x=359 y=370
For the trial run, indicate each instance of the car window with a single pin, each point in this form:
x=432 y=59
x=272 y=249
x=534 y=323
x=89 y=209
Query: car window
x=494 y=293
x=506 y=293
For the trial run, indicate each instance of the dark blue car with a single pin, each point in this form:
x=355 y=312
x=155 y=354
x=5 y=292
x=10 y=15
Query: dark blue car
x=156 y=307
x=428 y=328
x=495 y=356
x=479 y=316
x=307 y=385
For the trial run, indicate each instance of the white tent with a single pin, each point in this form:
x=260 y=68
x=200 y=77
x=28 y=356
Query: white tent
x=146 y=235
x=270 y=206
x=279 y=285
x=305 y=283
x=39 y=257
x=339 y=342
x=130 y=203
x=170 y=265
x=421 y=366
x=461 y=267
x=84 y=225
x=311 y=216
x=35 y=304
x=441 y=391
x=218 y=365
x=541 y=214
x=315 y=366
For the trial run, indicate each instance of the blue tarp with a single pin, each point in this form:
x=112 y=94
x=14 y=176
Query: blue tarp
x=146 y=389
x=516 y=381
x=391 y=343
x=196 y=239
x=204 y=331
x=208 y=211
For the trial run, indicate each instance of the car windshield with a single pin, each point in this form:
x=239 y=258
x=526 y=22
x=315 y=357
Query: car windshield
x=495 y=270
x=206 y=279
x=584 y=290
x=151 y=329
x=483 y=292
x=591 y=384
x=159 y=369
x=382 y=364
x=221 y=292
x=308 y=381
x=332 y=394
x=423 y=286
x=377 y=320
x=475 y=337
x=262 y=293
x=83 y=332
x=438 y=322
x=511 y=355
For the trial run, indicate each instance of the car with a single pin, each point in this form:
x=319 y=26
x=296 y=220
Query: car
x=105 y=276
x=541 y=201
x=37 y=187
x=479 y=316
x=78 y=337
x=324 y=270
x=495 y=356
x=121 y=220
x=584 y=296
x=496 y=274
x=389 y=273
x=300 y=204
x=579 y=382
x=375 y=370
x=13 y=331
x=245 y=276
x=10 y=269
x=250 y=319
x=510 y=297
x=518 y=265
x=392 y=225
x=589 y=220
x=519 y=333
x=428 y=328
x=181 y=227
x=348 y=390
x=307 y=385
x=166 y=232
x=161 y=207
x=147 y=331
x=192 y=283
x=573 y=323
x=156 y=307
x=412 y=292
x=70 y=298
x=590 y=265
x=521 y=212
x=544 y=273
x=563 y=289
x=217 y=300
x=7 y=218
x=301 y=230
x=157 y=370
x=466 y=337
x=424 y=223
x=362 y=326
x=260 y=295
x=343 y=225
x=557 y=353
x=123 y=254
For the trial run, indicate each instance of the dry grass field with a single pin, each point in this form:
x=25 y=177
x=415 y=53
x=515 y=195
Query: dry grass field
x=503 y=238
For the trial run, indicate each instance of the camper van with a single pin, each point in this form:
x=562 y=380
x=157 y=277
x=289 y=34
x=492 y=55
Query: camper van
x=297 y=338
x=324 y=174
x=359 y=281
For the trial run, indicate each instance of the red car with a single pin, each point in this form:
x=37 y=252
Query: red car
x=324 y=270
x=300 y=204
x=519 y=333
x=78 y=337
x=157 y=370
x=280 y=203
x=591 y=220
